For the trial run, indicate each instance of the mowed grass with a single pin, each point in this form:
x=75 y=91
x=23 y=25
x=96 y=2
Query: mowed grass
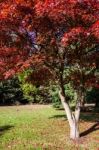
x=41 y=127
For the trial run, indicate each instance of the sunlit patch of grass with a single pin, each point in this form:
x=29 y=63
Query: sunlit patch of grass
x=43 y=128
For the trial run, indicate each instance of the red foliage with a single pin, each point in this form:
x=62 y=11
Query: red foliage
x=66 y=30
x=72 y=35
x=95 y=29
x=38 y=77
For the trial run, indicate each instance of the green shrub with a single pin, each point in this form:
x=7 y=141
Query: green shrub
x=92 y=96
x=29 y=92
x=33 y=93
x=10 y=92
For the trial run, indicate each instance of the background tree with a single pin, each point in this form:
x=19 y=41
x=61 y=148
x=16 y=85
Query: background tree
x=67 y=36
x=10 y=92
x=93 y=96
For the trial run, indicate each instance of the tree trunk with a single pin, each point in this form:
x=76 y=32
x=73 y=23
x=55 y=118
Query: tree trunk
x=74 y=131
x=73 y=118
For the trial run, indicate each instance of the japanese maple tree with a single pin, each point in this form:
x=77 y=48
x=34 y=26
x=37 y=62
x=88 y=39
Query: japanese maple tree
x=69 y=35
x=52 y=36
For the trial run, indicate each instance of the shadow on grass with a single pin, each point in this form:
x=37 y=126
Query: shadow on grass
x=93 y=117
x=58 y=116
x=93 y=128
x=88 y=117
x=5 y=128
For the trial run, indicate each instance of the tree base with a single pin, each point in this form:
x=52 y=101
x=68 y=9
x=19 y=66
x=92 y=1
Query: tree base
x=74 y=132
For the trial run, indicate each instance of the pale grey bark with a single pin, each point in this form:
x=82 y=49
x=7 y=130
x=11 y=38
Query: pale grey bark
x=73 y=118
x=74 y=131
x=77 y=111
x=67 y=108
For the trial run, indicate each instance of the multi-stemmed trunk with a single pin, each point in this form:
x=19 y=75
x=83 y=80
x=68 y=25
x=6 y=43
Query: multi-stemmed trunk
x=73 y=118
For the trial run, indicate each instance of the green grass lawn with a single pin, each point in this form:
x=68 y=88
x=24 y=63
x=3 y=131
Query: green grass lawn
x=44 y=128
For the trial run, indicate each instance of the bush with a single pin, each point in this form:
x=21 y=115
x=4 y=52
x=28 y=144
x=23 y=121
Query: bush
x=10 y=92
x=92 y=96
x=29 y=92
x=33 y=93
